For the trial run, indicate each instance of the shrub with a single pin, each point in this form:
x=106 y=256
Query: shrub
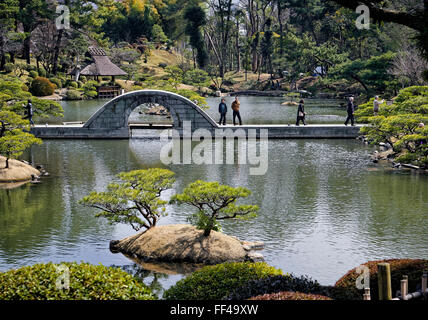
x=42 y=72
x=9 y=67
x=33 y=74
x=163 y=65
x=71 y=84
x=278 y=283
x=56 y=81
x=42 y=87
x=82 y=78
x=73 y=95
x=290 y=296
x=219 y=281
x=30 y=67
x=90 y=89
x=345 y=288
x=90 y=94
x=38 y=282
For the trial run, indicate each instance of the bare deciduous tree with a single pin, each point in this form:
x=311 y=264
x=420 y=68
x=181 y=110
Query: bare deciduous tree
x=408 y=66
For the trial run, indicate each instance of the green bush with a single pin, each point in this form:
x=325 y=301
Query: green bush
x=9 y=67
x=278 y=283
x=30 y=67
x=57 y=82
x=82 y=78
x=42 y=72
x=219 y=281
x=289 y=295
x=42 y=87
x=90 y=94
x=71 y=84
x=345 y=288
x=87 y=282
x=33 y=74
x=90 y=89
x=73 y=95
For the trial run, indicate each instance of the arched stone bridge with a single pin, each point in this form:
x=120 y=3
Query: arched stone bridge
x=114 y=114
x=111 y=121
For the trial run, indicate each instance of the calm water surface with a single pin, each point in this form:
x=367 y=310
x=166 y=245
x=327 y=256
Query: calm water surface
x=325 y=208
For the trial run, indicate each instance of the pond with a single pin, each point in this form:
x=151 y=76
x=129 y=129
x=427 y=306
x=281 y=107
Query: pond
x=325 y=207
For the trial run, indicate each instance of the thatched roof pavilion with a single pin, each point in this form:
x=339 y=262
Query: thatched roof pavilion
x=102 y=66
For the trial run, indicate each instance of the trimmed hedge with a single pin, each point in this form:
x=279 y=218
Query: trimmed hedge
x=42 y=87
x=219 y=281
x=290 y=296
x=275 y=284
x=73 y=95
x=71 y=84
x=345 y=288
x=87 y=282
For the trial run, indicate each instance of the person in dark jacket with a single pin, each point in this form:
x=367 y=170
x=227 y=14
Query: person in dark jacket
x=301 y=113
x=29 y=116
x=350 y=109
x=222 y=109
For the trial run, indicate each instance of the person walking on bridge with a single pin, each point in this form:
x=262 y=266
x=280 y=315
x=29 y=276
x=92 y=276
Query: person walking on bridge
x=235 y=108
x=222 y=109
x=29 y=111
x=350 y=109
x=301 y=114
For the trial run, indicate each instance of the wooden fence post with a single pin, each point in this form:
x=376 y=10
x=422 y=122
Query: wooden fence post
x=404 y=289
x=424 y=284
x=384 y=281
x=366 y=295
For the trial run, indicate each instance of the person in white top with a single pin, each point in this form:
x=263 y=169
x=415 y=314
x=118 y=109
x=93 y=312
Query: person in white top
x=376 y=104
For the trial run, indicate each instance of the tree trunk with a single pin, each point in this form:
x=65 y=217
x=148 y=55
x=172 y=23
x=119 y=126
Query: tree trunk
x=7 y=163
x=27 y=48
x=281 y=46
x=238 y=54
x=2 y=53
x=207 y=232
x=357 y=78
x=56 y=52
x=2 y=61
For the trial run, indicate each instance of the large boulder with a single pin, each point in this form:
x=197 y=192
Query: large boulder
x=183 y=243
x=17 y=171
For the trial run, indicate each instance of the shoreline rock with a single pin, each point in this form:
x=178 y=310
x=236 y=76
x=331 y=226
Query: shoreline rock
x=186 y=244
x=18 y=171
